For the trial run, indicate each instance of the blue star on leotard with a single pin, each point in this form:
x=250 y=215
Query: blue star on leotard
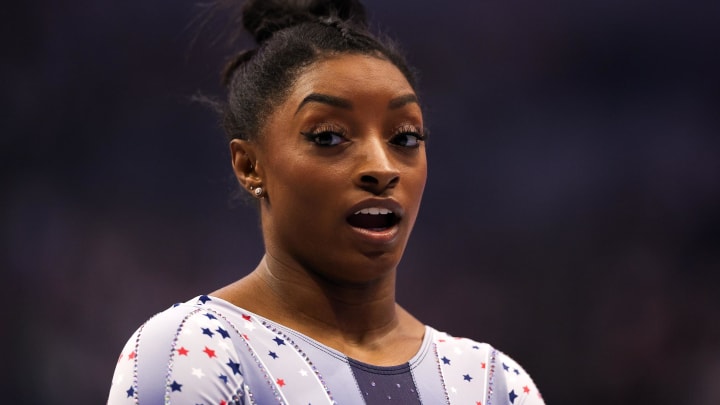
x=223 y=332
x=234 y=366
x=175 y=386
x=512 y=396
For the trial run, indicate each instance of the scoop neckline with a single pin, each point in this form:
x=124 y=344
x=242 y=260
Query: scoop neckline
x=269 y=324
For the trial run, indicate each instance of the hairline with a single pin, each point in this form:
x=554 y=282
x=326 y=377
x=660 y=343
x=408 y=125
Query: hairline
x=301 y=69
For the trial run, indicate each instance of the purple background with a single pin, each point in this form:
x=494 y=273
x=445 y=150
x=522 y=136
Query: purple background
x=571 y=218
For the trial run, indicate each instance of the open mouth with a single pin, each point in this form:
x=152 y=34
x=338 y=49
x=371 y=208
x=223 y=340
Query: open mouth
x=373 y=219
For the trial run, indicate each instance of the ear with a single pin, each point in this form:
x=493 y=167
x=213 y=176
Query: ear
x=244 y=156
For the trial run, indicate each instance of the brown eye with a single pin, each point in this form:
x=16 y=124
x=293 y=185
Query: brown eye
x=407 y=139
x=325 y=138
x=328 y=139
x=326 y=135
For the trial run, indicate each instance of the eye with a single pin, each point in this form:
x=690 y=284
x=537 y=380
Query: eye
x=325 y=136
x=408 y=137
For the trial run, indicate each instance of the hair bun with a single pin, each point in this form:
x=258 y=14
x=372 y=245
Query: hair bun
x=262 y=18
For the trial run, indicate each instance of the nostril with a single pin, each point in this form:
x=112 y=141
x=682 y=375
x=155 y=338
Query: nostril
x=369 y=179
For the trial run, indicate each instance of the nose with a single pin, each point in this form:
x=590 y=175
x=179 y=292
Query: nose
x=376 y=171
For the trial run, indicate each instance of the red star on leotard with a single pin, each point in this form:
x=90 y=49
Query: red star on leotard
x=209 y=352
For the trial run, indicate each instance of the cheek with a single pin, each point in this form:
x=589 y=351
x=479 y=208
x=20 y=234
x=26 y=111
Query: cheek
x=302 y=189
x=305 y=176
x=418 y=176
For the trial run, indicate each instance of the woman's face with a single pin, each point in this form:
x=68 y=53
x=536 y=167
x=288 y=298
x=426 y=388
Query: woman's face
x=342 y=162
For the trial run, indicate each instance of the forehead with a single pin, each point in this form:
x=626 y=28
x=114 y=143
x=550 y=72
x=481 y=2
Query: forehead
x=350 y=76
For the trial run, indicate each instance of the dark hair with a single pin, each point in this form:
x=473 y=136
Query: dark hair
x=292 y=35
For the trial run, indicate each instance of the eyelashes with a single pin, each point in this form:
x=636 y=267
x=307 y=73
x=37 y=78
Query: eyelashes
x=328 y=135
x=408 y=136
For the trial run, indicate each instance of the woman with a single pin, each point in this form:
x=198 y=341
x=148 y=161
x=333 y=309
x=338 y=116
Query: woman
x=326 y=132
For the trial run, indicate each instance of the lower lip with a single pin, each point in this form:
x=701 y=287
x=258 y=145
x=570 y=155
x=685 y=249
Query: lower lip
x=380 y=237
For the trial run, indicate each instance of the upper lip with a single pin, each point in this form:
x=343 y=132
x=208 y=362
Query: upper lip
x=387 y=203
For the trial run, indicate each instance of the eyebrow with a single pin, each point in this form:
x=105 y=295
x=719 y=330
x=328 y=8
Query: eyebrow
x=402 y=101
x=345 y=104
x=325 y=99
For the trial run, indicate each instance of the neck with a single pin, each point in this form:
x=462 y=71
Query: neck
x=311 y=303
x=360 y=320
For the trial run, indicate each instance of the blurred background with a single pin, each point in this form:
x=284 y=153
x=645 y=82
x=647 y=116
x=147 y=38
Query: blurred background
x=571 y=217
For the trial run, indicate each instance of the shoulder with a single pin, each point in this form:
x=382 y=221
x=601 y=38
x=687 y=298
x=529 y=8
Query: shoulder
x=187 y=352
x=518 y=386
x=466 y=362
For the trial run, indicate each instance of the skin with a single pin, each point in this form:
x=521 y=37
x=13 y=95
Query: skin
x=320 y=275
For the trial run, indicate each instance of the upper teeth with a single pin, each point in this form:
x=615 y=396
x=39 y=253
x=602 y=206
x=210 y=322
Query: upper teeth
x=374 y=211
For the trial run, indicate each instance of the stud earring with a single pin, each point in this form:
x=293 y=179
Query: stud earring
x=258 y=191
